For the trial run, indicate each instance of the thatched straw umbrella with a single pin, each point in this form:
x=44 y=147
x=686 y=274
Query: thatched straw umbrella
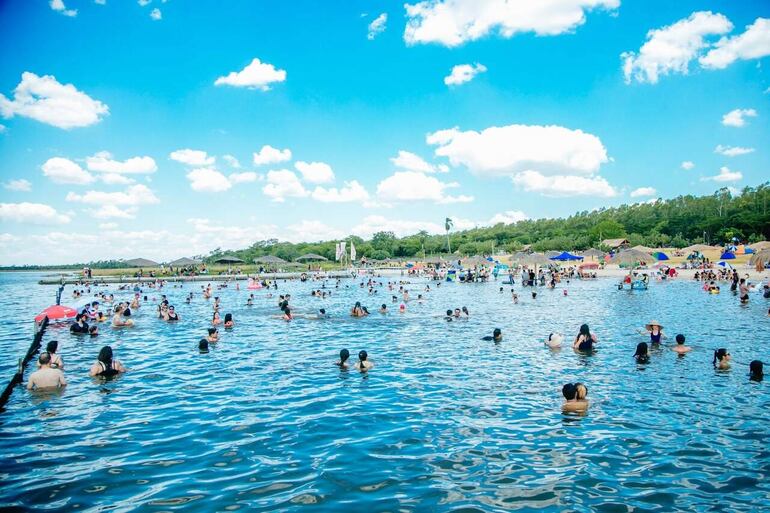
x=311 y=256
x=592 y=253
x=184 y=262
x=632 y=257
x=141 y=262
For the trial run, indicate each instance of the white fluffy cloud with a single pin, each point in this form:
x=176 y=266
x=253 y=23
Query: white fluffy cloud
x=232 y=161
x=103 y=162
x=732 y=151
x=58 y=6
x=737 y=117
x=31 y=213
x=370 y=225
x=414 y=186
x=670 y=49
x=208 y=180
x=463 y=73
x=351 y=192
x=156 y=15
x=687 y=165
x=61 y=170
x=315 y=172
x=270 y=155
x=504 y=151
x=508 y=217
x=44 y=99
x=245 y=177
x=20 y=185
x=112 y=212
x=193 y=158
x=408 y=161
x=725 y=175
x=115 y=179
x=377 y=26
x=257 y=75
x=283 y=183
x=453 y=22
x=754 y=43
x=133 y=196
x=643 y=191
x=562 y=186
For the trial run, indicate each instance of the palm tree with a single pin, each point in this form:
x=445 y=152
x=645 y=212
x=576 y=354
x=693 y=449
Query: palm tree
x=422 y=234
x=448 y=224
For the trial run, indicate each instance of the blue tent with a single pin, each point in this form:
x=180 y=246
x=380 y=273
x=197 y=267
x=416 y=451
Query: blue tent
x=727 y=256
x=749 y=251
x=566 y=256
x=659 y=255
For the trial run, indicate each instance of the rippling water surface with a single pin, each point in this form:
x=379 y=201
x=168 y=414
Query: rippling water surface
x=444 y=422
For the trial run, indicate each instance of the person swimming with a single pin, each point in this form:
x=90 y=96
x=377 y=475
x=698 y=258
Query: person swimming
x=213 y=335
x=554 y=340
x=357 y=310
x=363 y=363
x=680 y=347
x=229 y=323
x=383 y=308
x=585 y=340
x=344 y=355
x=721 y=359
x=171 y=314
x=46 y=376
x=203 y=345
x=655 y=330
x=56 y=361
x=287 y=314
x=497 y=336
x=105 y=365
x=466 y=312
x=574 y=397
x=80 y=325
x=93 y=331
x=642 y=353
x=448 y=316
x=216 y=319
x=118 y=320
x=756 y=370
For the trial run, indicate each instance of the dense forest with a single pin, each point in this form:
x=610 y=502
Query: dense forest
x=678 y=222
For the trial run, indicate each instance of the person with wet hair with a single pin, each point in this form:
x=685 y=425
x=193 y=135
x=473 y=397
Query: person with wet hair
x=497 y=336
x=216 y=320
x=46 y=377
x=363 y=364
x=203 y=345
x=105 y=365
x=56 y=361
x=213 y=335
x=80 y=325
x=448 y=317
x=680 y=347
x=357 y=310
x=642 y=353
x=575 y=397
x=756 y=370
x=171 y=314
x=585 y=340
x=383 y=308
x=342 y=363
x=721 y=359
x=229 y=323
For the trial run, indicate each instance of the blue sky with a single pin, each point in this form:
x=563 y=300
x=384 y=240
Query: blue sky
x=551 y=124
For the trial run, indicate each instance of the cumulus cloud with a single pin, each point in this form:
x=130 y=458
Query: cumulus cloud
x=245 y=177
x=32 y=213
x=44 y=99
x=115 y=179
x=507 y=150
x=671 y=48
x=192 y=158
x=283 y=183
x=408 y=161
x=415 y=186
x=156 y=15
x=561 y=186
x=315 y=172
x=737 y=117
x=454 y=22
x=112 y=212
x=133 y=196
x=725 y=175
x=232 y=161
x=687 y=165
x=208 y=180
x=58 y=6
x=257 y=75
x=62 y=170
x=643 y=191
x=351 y=192
x=270 y=155
x=370 y=225
x=20 y=185
x=103 y=162
x=377 y=26
x=463 y=73
x=754 y=43
x=732 y=151
x=508 y=217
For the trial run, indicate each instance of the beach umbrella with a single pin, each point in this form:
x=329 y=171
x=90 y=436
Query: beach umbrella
x=631 y=256
x=551 y=253
x=645 y=249
x=311 y=256
x=184 y=262
x=269 y=259
x=474 y=260
x=229 y=259
x=697 y=247
x=536 y=259
x=727 y=255
x=760 y=245
x=56 y=312
x=592 y=253
x=725 y=264
x=433 y=260
x=660 y=255
x=760 y=256
x=141 y=262
x=565 y=256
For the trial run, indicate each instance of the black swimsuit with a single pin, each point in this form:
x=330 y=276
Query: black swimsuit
x=107 y=372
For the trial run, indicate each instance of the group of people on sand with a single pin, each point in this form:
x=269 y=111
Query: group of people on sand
x=50 y=371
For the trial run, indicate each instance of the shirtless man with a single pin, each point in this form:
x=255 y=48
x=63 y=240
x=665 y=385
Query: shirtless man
x=680 y=347
x=46 y=376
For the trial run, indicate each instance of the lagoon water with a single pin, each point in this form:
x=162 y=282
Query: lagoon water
x=444 y=422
